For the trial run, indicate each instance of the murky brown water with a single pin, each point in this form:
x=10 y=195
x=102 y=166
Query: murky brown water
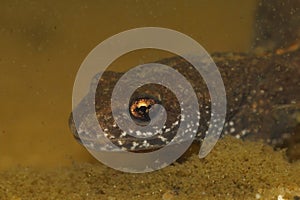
x=44 y=43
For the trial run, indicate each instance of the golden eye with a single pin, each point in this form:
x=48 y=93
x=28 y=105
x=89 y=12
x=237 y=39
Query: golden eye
x=139 y=108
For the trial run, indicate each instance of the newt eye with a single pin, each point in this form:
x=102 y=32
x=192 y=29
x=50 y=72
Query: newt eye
x=139 y=109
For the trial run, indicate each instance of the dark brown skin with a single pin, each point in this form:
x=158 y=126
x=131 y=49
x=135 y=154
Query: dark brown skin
x=262 y=99
x=277 y=26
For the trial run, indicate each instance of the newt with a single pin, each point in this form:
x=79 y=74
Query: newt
x=262 y=102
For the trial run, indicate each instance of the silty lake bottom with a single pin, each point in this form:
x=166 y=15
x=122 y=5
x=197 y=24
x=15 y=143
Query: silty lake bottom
x=233 y=170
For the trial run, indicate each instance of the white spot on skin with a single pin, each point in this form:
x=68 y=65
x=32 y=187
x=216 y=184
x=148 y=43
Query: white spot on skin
x=112 y=137
x=92 y=145
x=124 y=134
x=146 y=144
x=280 y=197
x=175 y=123
x=257 y=196
x=163 y=139
x=244 y=132
x=182 y=118
x=149 y=134
x=138 y=133
x=134 y=144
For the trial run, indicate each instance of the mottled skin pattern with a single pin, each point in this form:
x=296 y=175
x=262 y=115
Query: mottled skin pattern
x=262 y=101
